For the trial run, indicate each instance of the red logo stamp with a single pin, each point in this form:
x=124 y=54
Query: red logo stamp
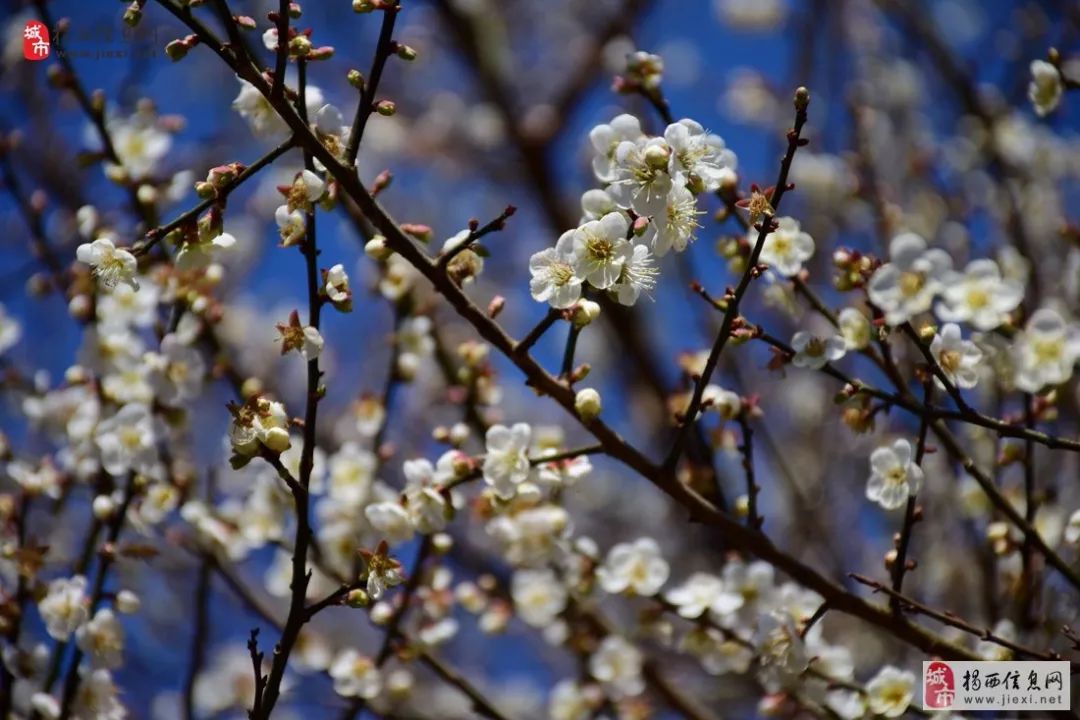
x=35 y=41
x=939 y=687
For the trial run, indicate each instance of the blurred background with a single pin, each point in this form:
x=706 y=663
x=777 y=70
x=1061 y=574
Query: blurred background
x=916 y=109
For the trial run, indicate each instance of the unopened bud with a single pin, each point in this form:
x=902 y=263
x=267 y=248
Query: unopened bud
x=418 y=230
x=496 y=306
x=377 y=249
x=127 y=602
x=104 y=507
x=442 y=543
x=386 y=108
x=133 y=14
x=356 y=79
x=587 y=404
x=177 y=50
x=405 y=52
x=584 y=313
x=205 y=190
x=802 y=98
x=300 y=46
x=657 y=156
x=363 y=6
x=641 y=224
x=357 y=599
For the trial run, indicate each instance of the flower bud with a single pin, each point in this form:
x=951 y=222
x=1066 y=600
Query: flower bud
x=405 y=52
x=657 y=156
x=300 y=46
x=357 y=599
x=584 y=313
x=587 y=404
x=442 y=543
x=133 y=14
x=376 y=248
x=802 y=98
x=104 y=507
x=127 y=602
x=277 y=439
x=356 y=79
x=386 y=108
x=363 y=6
x=177 y=50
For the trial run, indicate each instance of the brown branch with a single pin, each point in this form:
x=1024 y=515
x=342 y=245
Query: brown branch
x=953 y=620
x=900 y=562
x=154 y=236
x=802 y=100
x=383 y=51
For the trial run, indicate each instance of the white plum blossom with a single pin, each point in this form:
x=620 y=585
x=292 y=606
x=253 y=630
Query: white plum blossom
x=261 y=421
x=391 y=520
x=1046 y=351
x=979 y=295
x=97 y=698
x=123 y=306
x=641 y=179
x=638 y=275
x=292 y=225
x=890 y=692
x=700 y=156
x=261 y=116
x=703 y=592
x=352 y=472
x=44 y=479
x=907 y=284
x=814 y=352
x=616 y=664
x=355 y=675
x=1072 y=528
x=102 y=640
x=197 y=254
x=786 y=248
x=894 y=475
x=10 y=330
x=554 y=279
x=139 y=142
x=428 y=508
x=675 y=222
x=538 y=595
x=855 y=328
x=506 y=462
x=570 y=701
x=336 y=286
x=725 y=403
x=781 y=651
x=1045 y=88
x=958 y=358
x=595 y=204
x=112 y=265
x=64 y=608
x=128 y=440
x=606 y=138
x=600 y=249
x=176 y=373
x=636 y=567
x=718 y=653
x=847 y=704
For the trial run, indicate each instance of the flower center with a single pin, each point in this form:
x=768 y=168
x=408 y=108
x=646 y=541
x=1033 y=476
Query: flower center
x=1048 y=350
x=911 y=283
x=978 y=298
x=600 y=247
x=950 y=360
